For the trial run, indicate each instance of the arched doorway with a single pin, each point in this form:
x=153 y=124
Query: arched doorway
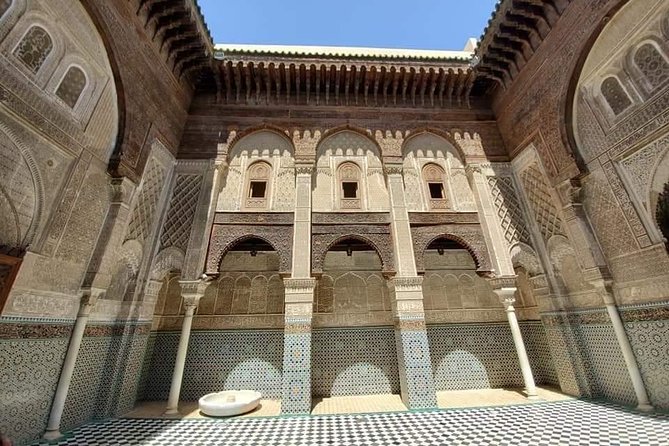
x=353 y=344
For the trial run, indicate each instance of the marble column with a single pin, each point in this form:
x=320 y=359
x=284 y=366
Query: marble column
x=192 y=291
x=643 y=402
x=413 y=348
x=505 y=288
x=88 y=300
x=299 y=288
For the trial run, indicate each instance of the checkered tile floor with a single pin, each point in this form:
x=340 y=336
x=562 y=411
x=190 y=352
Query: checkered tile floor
x=565 y=423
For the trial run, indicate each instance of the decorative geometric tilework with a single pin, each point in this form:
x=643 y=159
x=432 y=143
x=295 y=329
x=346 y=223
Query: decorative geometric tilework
x=650 y=342
x=606 y=363
x=29 y=371
x=296 y=386
x=105 y=379
x=568 y=360
x=541 y=361
x=473 y=356
x=360 y=361
x=416 y=377
x=176 y=230
x=508 y=210
x=218 y=360
x=570 y=423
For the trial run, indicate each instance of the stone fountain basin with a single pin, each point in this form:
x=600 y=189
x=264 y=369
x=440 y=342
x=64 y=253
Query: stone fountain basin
x=229 y=402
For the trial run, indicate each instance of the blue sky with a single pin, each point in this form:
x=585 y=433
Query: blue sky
x=422 y=24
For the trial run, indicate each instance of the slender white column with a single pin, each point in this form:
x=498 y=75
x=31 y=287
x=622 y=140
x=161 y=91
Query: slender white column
x=192 y=291
x=505 y=289
x=53 y=426
x=643 y=402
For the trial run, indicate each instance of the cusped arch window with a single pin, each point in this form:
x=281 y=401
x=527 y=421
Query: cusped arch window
x=615 y=95
x=652 y=64
x=4 y=7
x=34 y=48
x=72 y=86
x=258 y=185
x=435 y=186
x=349 y=177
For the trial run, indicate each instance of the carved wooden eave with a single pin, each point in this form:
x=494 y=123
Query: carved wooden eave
x=181 y=34
x=267 y=75
x=513 y=34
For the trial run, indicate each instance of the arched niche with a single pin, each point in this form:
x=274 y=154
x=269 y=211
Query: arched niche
x=451 y=281
x=340 y=147
x=271 y=147
x=249 y=282
x=425 y=149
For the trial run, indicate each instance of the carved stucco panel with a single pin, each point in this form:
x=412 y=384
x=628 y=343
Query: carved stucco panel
x=223 y=237
x=378 y=237
x=471 y=236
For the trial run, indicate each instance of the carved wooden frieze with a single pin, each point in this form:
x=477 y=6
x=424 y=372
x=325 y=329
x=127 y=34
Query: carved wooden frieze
x=443 y=218
x=470 y=236
x=329 y=218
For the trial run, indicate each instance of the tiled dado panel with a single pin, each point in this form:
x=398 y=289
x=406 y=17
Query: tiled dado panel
x=541 y=361
x=648 y=331
x=31 y=357
x=354 y=361
x=477 y=356
x=106 y=375
x=603 y=371
x=217 y=360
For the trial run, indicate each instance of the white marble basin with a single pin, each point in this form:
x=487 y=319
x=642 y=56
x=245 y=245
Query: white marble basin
x=229 y=402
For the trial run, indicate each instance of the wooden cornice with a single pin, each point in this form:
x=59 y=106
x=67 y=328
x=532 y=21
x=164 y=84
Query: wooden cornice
x=181 y=34
x=513 y=34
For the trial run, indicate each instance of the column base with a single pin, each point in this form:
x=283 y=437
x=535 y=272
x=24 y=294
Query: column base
x=645 y=408
x=52 y=435
x=172 y=413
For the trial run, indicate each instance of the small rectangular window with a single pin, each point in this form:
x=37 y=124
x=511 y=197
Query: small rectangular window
x=258 y=189
x=436 y=191
x=350 y=189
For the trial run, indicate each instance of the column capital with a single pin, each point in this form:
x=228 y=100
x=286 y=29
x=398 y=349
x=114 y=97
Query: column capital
x=153 y=287
x=89 y=297
x=401 y=284
x=122 y=190
x=391 y=144
x=304 y=167
x=393 y=169
x=193 y=290
x=505 y=289
x=305 y=143
x=302 y=285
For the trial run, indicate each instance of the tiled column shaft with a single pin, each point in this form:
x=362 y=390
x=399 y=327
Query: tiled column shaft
x=413 y=349
x=296 y=388
x=192 y=292
x=299 y=288
x=505 y=291
x=53 y=426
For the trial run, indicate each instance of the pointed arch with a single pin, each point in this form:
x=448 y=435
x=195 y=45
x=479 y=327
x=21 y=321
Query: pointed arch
x=441 y=134
x=254 y=130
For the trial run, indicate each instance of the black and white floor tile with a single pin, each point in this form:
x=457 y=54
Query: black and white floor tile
x=565 y=423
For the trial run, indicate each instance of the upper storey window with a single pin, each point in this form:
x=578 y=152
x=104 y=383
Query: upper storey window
x=34 y=48
x=615 y=95
x=72 y=86
x=259 y=175
x=434 y=177
x=349 y=179
x=652 y=64
x=4 y=6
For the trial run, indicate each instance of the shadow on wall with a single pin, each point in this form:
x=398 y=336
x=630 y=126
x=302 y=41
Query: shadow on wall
x=354 y=362
x=473 y=357
x=218 y=360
